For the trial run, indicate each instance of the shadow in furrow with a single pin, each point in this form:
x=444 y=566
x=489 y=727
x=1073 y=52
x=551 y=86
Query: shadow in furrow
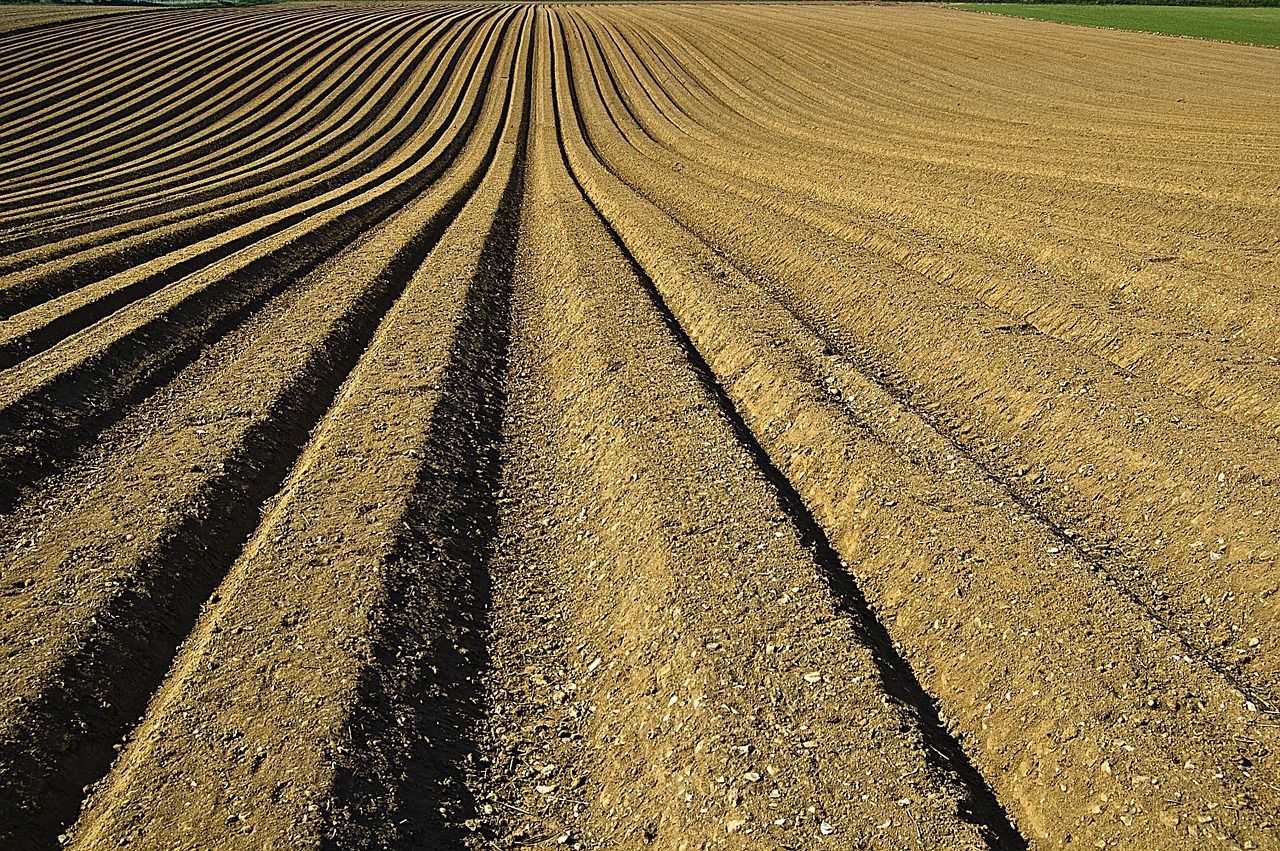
x=61 y=150
x=31 y=29
x=14 y=300
x=979 y=806
x=1111 y=568
x=51 y=425
x=401 y=785
x=347 y=102
x=65 y=741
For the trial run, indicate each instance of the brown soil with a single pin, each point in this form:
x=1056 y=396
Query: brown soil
x=30 y=16
x=429 y=426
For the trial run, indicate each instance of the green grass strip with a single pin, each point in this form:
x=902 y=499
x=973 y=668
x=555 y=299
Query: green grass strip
x=1259 y=26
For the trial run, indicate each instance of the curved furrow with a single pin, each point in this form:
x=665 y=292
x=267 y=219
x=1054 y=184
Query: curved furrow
x=224 y=142
x=614 y=398
x=791 y=125
x=1083 y=708
x=198 y=96
x=620 y=206
x=73 y=696
x=144 y=249
x=1230 y=379
x=665 y=426
x=293 y=58
x=75 y=250
x=99 y=70
x=211 y=123
x=58 y=41
x=53 y=403
x=1242 y=392
x=162 y=60
x=1204 y=294
x=102 y=38
x=1005 y=384
x=1062 y=191
x=925 y=120
x=31 y=20
x=1235 y=381
x=78 y=55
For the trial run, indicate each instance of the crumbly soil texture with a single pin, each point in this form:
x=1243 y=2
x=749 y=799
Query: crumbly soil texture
x=438 y=426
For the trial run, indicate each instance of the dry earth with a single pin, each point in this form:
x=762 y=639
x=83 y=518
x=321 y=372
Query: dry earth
x=685 y=427
x=22 y=16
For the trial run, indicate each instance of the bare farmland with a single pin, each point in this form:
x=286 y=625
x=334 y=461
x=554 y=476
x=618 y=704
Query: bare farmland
x=636 y=426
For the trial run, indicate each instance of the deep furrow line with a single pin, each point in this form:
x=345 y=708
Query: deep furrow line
x=147 y=54
x=982 y=807
x=33 y=24
x=1193 y=291
x=79 y=252
x=53 y=403
x=842 y=506
x=1145 y=576
x=122 y=271
x=130 y=646
x=126 y=125
x=1242 y=395
x=310 y=130
x=49 y=101
x=438 y=431
x=97 y=40
x=895 y=671
x=95 y=155
x=404 y=743
x=638 y=533
x=80 y=55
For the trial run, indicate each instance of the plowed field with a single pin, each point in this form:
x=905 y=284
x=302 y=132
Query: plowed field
x=779 y=427
x=22 y=16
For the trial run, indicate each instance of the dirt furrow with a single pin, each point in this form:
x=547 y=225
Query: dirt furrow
x=1217 y=300
x=229 y=445
x=49 y=108
x=107 y=40
x=29 y=19
x=127 y=131
x=243 y=212
x=1240 y=381
x=919 y=525
x=1021 y=405
x=113 y=364
x=173 y=155
x=167 y=51
x=118 y=245
x=149 y=147
x=639 y=529
x=84 y=60
x=639 y=425
x=337 y=599
x=60 y=41
x=298 y=132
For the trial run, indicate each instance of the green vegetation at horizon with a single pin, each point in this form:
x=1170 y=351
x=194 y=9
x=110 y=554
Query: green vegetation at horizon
x=1244 y=25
